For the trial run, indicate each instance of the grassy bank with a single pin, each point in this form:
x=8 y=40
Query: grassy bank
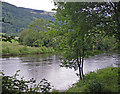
x=16 y=49
x=104 y=80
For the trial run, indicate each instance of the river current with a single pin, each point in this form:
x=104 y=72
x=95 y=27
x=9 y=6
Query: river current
x=48 y=67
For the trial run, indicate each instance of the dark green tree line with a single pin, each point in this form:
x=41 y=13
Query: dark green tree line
x=36 y=34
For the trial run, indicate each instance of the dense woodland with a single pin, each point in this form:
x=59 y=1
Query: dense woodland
x=79 y=30
x=20 y=18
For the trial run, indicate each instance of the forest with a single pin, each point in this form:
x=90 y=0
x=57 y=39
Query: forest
x=78 y=31
x=20 y=18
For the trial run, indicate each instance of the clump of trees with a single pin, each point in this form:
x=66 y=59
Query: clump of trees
x=37 y=34
x=85 y=28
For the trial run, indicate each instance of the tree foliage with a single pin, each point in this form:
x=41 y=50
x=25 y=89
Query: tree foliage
x=13 y=85
x=36 y=34
x=75 y=29
x=83 y=29
x=106 y=17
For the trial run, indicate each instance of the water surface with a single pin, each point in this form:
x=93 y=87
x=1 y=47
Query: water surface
x=47 y=66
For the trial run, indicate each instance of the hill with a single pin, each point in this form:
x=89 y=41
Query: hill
x=20 y=18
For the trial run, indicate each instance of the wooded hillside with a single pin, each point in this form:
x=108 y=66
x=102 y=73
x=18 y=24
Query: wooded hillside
x=20 y=18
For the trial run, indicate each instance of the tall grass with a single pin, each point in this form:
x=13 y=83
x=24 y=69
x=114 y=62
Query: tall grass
x=16 y=49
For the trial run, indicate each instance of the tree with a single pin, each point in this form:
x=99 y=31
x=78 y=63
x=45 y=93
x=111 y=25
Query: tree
x=36 y=34
x=82 y=24
x=76 y=34
x=106 y=18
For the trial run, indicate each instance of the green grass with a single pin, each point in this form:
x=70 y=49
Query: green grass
x=15 y=49
x=104 y=80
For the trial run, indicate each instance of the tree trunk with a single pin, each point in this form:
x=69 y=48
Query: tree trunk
x=79 y=63
x=82 y=58
x=79 y=66
x=82 y=68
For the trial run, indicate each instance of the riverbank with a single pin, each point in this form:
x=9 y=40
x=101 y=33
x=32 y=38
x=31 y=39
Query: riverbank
x=104 y=80
x=14 y=49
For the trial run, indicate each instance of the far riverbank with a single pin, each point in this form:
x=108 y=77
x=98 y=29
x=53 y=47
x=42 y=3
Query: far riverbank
x=14 y=49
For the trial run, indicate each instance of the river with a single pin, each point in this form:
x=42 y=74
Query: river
x=47 y=66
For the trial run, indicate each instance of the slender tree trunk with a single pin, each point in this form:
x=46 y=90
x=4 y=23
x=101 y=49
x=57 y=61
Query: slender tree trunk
x=82 y=57
x=80 y=75
x=82 y=68
x=79 y=67
x=82 y=63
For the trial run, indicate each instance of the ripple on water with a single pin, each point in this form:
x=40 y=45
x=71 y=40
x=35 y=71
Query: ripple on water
x=39 y=67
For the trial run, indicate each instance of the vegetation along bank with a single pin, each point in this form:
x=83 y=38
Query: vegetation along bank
x=104 y=80
x=13 y=49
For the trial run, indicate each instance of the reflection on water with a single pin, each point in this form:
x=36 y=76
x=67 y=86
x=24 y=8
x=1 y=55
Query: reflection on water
x=47 y=66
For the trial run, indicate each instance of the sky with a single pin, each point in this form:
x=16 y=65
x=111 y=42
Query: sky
x=46 y=5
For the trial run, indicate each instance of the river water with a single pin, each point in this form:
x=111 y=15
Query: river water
x=48 y=67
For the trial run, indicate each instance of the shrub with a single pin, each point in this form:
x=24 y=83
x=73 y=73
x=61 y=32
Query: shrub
x=6 y=50
x=11 y=85
x=95 y=86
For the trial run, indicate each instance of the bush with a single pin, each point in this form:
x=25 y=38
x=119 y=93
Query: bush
x=95 y=86
x=6 y=50
x=11 y=85
x=103 y=80
x=23 y=50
